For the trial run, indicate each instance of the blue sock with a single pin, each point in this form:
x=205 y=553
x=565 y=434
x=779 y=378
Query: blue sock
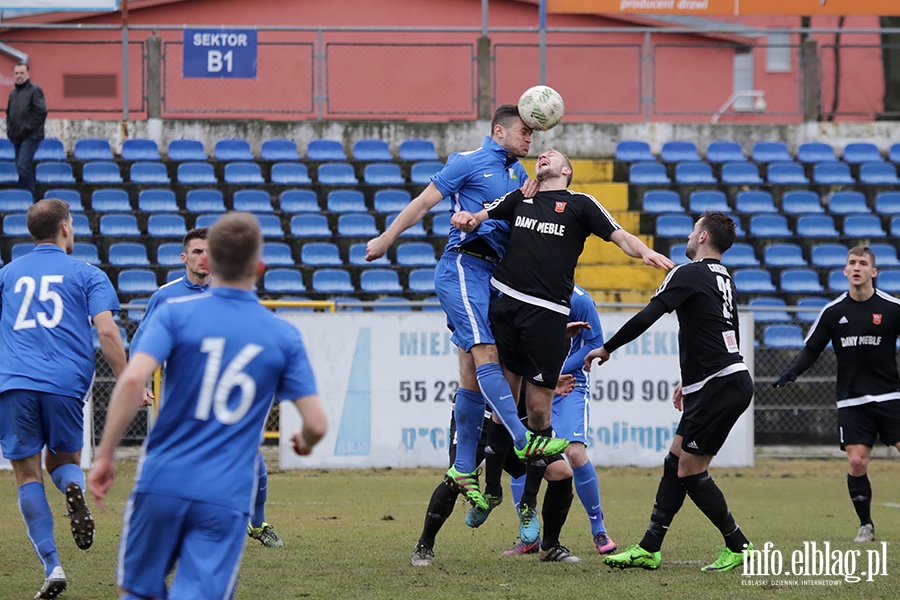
x=588 y=489
x=468 y=412
x=63 y=475
x=262 y=494
x=517 y=487
x=39 y=523
x=496 y=390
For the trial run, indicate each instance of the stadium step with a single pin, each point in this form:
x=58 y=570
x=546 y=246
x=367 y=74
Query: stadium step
x=619 y=277
x=613 y=196
x=598 y=252
x=620 y=296
x=585 y=171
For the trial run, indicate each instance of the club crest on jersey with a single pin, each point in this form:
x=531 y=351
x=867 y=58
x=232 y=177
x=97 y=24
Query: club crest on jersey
x=876 y=319
x=560 y=206
x=512 y=174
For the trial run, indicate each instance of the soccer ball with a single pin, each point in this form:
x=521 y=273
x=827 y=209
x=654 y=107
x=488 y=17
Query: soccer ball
x=541 y=107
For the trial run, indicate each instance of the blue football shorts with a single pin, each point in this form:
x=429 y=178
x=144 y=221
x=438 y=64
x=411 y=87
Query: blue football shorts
x=462 y=283
x=571 y=414
x=30 y=420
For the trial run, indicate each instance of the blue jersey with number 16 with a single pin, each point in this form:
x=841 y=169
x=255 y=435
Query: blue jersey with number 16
x=226 y=358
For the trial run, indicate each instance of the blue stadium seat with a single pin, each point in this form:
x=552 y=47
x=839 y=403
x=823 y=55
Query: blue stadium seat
x=783 y=336
x=800 y=281
x=708 y=200
x=887 y=203
x=304 y=225
x=137 y=281
x=662 y=201
x=347 y=303
x=204 y=201
x=888 y=281
x=254 y=201
x=863 y=226
x=784 y=255
x=816 y=226
x=270 y=225
x=71 y=197
x=332 y=281
x=738 y=229
x=440 y=224
x=801 y=202
x=157 y=201
x=336 y=173
x=299 y=201
x=20 y=250
x=320 y=254
x=833 y=173
x=128 y=254
x=416 y=254
x=677 y=254
x=634 y=151
x=417 y=150
x=233 y=150
x=769 y=310
x=14 y=200
x=740 y=255
x=878 y=174
x=50 y=149
x=278 y=150
x=206 y=220
x=837 y=281
x=372 y=151
x=92 y=149
x=197 y=173
x=139 y=307
x=417 y=230
x=380 y=281
x=290 y=173
x=431 y=304
x=741 y=173
x=422 y=172
x=186 y=150
x=140 y=149
x=7 y=150
x=392 y=304
x=101 y=173
x=81 y=225
x=895 y=226
x=862 y=152
x=149 y=173
x=719 y=152
x=243 y=173
x=770 y=226
x=847 y=203
x=815 y=152
x=677 y=151
x=166 y=226
x=786 y=173
x=421 y=281
x=649 y=173
x=885 y=255
x=754 y=202
x=325 y=151
x=695 y=173
x=283 y=281
x=169 y=254
x=383 y=174
x=679 y=226
x=894 y=153
x=54 y=172
x=174 y=274
x=753 y=281
x=357 y=257
x=8 y=173
x=346 y=201
x=357 y=225
x=87 y=252
x=391 y=200
x=110 y=200
x=15 y=225
x=766 y=152
x=810 y=302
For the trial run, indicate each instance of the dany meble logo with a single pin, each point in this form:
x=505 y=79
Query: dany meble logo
x=815 y=564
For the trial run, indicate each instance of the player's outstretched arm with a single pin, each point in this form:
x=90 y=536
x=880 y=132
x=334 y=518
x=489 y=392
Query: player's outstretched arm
x=110 y=341
x=315 y=424
x=409 y=216
x=635 y=248
x=466 y=221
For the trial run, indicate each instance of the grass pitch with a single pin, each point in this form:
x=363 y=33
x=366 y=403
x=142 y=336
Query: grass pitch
x=349 y=534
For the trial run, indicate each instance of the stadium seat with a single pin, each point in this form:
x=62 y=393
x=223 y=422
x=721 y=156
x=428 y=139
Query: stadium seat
x=708 y=200
x=81 y=225
x=784 y=255
x=753 y=281
x=392 y=304
x=894 y=153
x=137 y=310
x=741 y=173
x=677 y=151
x=197 y=173
x=888 y=281
x=440 y=225
x=270 y=226
x=694 y=173
x=801 y=202
x=325 y=151
x=885 y=255
x=87 y=252
x=417 y=230
x=895 y=226
x=837 y=281
x=110 y=200
x=800 y=281
x=336 y=173
x=863 y=226
x=372 y=151
x=357 y=225
x=149 y=173
x=206 y=220
x=380 y=281
x=50 y=149
x=332 y=281
x=15 y=225
x=204 y=201
x=833 y=173
x=54 y=173
x=186 y=150
x=810 y=303
x=766 y=152
x=847 y=203
x=719 y=152
x=304 y=226
x=634 y=151
x=815 y=152
x=649 y=173
x=738 y=229
x=357 y=257
x=20 y=250
x=421 y=281
x=816 y=226
x=233 y=150
x=416 y=254
x=881 y=173
x=887 y=203
x=128 y=254
x=157 y=201
x=101 y=173
x=279 y=150
x=786 y=173
x=9 y=174
x=92 y=149
x=862 y=152
x=283 y=281
x=136 y=281
x=769 y=310
x=783 y=336
x=416 y=150
x=769 y=226
x=677 y=254
x=679 y=226
x=662 y=201
x=346 y=201
x=243 y=173
x=7 y=150
x=347 y=303
x=15 y=200
x=168 y=254
x=422 y=172
x=391 y=200
x=298 y=201
x=290 y=173
x=254 y=201
x=320 y=254
x=174 y=274
x=166 y=226
x=71 y=197
x=383 y=174
x=740 y=255
x=139 y=149
x=754 y=202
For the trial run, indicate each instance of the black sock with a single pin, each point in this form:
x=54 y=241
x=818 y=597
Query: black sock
x=669 y=499
x=557 y=502
x=440 y=507
x=498 y=446
x=534 y=474
x=861 y=496
x=711 y=501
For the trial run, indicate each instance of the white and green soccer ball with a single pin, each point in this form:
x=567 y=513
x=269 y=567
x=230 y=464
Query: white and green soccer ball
x=541 y=107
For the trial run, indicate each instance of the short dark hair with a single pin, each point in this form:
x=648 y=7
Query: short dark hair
x=194 y=234
x=863 y=251
x=571 y=170
x=720 y=228
x=235 y=242
x=504 y=115
x=24 y=63
x=44 y=218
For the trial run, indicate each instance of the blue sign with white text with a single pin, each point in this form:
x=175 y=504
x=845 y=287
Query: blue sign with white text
x=223 y=53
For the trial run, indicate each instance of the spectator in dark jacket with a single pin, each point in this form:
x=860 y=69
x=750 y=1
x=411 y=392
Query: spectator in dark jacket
x=26 y=112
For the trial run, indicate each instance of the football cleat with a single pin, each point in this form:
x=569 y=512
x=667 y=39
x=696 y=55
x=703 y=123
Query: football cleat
x=266 y=535
x=529 y=526
x=634 y=556
x=866 y=533
x=422 y=556
x=558 y=553
x=54 y=584
x=538 y=446
x=523 y=548
x=467 y=485
x=475 y=517
x=604 y=543
x=79 y=516
x=728 y=560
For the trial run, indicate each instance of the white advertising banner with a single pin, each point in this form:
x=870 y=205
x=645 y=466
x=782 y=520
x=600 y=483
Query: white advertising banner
x=387 y=383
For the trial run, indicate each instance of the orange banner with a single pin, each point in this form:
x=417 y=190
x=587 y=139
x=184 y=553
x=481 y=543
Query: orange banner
x=701 y=8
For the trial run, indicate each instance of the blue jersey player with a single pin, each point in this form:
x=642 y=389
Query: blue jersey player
x=46 y=369
x=226 y=358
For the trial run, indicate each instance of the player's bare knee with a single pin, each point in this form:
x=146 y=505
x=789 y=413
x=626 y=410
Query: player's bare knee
x=577 y=454
x=484 y=354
